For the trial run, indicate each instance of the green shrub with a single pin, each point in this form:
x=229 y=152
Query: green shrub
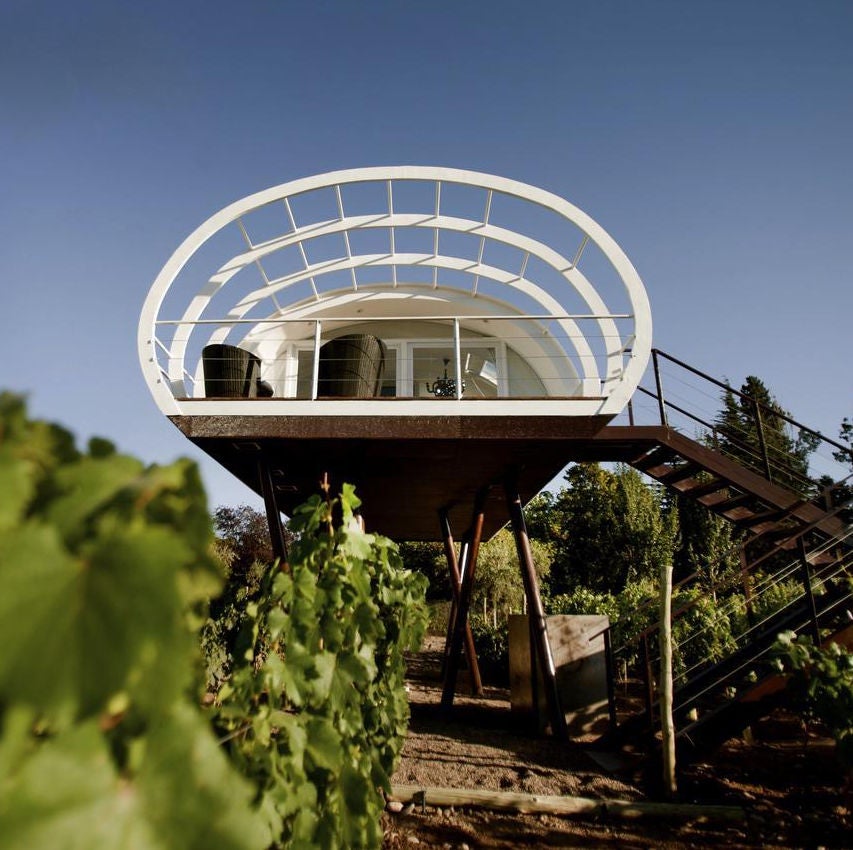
x=822 y=684
x=105 y=566
x=315 y=710
x=492 y=645
x=584 y=601
x=703 y=633
x=775 y=597
x=439 y=613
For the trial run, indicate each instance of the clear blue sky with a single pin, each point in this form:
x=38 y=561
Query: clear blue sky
x=714 y=140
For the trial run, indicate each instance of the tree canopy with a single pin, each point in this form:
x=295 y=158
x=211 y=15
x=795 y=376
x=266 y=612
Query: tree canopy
x=750 y=428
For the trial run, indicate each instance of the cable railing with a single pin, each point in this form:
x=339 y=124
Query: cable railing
x=760 y=436
x=409 y=356
x=747 y=605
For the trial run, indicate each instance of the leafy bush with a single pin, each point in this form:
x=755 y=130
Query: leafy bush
x=315 y=711
x=243 y=546
x=703 y=634
x=582 y=600
x=822 y=682
x=439 y=616
x=104 y=567
x=492 y=645
x=775 y=597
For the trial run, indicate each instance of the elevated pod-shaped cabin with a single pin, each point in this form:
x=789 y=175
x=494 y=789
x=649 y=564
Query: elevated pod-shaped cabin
x=422 y=333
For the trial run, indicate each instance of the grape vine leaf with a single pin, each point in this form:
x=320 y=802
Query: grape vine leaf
x=79 y=629
x=68 y=796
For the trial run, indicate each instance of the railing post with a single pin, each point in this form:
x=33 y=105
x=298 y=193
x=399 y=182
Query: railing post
x=315 y=372
x=807 y=585
x=648 y=690
x=610 y=672
x=762 y=443
x=746 y=583
x=457 y=347
x=659 y=385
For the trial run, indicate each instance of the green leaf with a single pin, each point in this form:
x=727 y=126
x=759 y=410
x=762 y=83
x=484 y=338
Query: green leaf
x=324 y=665
x=78 y=630
x=16 y=487
x=191 y=794
x=68 y=796
x=85 y=487
x=356 y=790
x=37 y=608
x=323 y=746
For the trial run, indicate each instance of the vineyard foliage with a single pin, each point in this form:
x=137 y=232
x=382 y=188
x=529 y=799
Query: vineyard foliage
x=106 y=567
x=821 y=679
x=315 y=710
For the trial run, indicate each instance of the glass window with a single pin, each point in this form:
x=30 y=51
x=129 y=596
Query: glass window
x=434 y=372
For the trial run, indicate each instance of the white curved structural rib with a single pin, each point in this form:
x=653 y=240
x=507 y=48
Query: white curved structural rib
x=429 y=260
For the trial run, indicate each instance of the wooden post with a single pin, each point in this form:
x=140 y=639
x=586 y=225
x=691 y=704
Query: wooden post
x=277 y=538
x=465 y=591
x=667 y=725
x=535 y=611
x=456 y=586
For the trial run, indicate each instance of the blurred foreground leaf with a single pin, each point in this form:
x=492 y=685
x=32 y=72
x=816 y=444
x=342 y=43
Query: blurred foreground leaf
x=103 y=565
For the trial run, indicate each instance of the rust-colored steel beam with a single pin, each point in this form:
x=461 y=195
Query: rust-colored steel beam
x=469 y=565
x=277 y=538
x=456 y=586
x=535 y=611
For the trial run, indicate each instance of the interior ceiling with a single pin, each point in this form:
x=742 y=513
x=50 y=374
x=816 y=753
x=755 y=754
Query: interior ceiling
x=407 y=469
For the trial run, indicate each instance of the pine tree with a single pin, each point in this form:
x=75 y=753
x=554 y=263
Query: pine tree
x=752 y=429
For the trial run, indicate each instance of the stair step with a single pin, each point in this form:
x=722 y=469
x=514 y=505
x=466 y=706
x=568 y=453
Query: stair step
x=658 y=456
x=709 y=493
x=767 y=516
x=679 y=474
x=729 y=504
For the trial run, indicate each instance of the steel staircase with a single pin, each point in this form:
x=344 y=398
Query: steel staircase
x=795 y=551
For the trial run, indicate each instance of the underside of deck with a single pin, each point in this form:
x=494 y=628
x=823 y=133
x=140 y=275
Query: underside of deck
x=407 y=469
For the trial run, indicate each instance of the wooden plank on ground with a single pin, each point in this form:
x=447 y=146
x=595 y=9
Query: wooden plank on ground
x=560 y=805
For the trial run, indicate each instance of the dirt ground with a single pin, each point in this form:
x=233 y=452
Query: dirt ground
x=788 y=782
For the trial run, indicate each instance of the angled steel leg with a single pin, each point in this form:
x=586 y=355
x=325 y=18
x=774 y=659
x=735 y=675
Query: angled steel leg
x=535 y=611
x=277 y=538
x=468 y=568
x=456 y=586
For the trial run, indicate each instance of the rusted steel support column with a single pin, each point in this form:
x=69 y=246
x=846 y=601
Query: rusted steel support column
x=465 y=591
x=456 y=586
x=277 y=538
x=535 y=611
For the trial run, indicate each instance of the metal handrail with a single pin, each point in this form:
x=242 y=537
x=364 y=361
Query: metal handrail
x=656 y=352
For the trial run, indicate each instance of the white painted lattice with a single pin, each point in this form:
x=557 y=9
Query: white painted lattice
x=482 y=254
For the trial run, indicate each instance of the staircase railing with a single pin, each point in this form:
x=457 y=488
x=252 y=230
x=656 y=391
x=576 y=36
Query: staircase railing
x=771 y=599
x=682 y=395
